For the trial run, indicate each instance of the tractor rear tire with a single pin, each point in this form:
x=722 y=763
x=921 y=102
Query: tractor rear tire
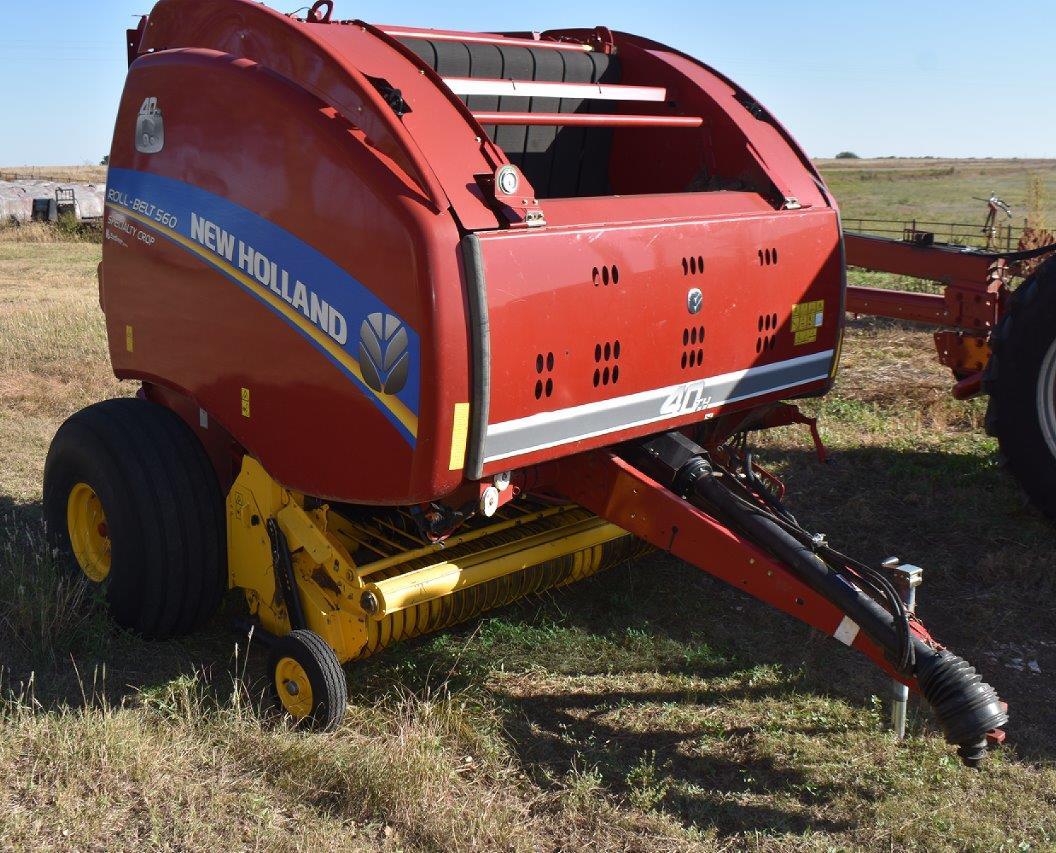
x=1021 y=382
x=131 y=502
x=307 y=681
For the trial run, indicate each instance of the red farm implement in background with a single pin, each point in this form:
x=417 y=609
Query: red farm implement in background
x=997 y=339
x=425 y=321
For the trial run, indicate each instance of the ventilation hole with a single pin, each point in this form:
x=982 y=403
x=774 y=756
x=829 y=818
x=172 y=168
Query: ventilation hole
x=605 y=276
x=768 y=257
x=700 y=263
x=775 y=256
x=615 y=374
x=608 y=351
x=605 y=376
x=615 y=274
x=773 y=342
x=549 y=387
x=597 y=378
x=597 y=352
x=685 y=267
x=538 y=389
x=760 y=322
x=539 y=363
x=685 y=360
x=549 y=361
x=775 y=322
x=700 y=356
x=685 y=337
x=596 y=276
x=760 y=258
x=616 y=350
x=769 y=321
x=693 y=265
x=702 y=333
x=693 y=336
x=759 y=345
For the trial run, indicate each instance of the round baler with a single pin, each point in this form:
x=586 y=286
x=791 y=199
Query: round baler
x=427 y=321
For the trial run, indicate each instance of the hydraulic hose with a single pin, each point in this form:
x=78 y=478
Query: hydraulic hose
x=967 y=708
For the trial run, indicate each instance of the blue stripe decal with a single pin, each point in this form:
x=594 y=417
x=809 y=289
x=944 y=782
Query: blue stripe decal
x=312 y=294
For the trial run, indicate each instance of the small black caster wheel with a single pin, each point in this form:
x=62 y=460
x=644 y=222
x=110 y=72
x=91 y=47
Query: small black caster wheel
x=307 y=680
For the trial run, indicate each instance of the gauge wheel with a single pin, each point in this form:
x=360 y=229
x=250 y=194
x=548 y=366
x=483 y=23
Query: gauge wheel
x=307 y=680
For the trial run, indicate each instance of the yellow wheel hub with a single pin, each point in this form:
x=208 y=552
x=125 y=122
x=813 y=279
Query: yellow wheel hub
x=89 y=532
x=294 y=689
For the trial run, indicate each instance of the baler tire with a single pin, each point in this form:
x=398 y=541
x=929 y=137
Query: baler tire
x=162 y=508
x=305 y=659
x=1022 y=412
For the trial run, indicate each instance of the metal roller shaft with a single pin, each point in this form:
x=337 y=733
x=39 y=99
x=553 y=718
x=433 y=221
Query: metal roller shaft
x=462 y=604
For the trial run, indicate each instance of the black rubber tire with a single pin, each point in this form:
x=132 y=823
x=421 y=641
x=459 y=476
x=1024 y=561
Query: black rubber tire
x=164 y=511
x=1022 y=343
x=324 y=672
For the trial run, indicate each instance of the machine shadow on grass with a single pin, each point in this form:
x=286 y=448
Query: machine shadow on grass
x=618 y=676
x=705 y=790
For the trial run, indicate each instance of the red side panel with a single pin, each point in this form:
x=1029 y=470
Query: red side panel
x=593 y=336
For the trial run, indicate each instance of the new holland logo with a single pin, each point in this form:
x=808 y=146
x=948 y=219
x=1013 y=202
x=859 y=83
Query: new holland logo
x=383 y=355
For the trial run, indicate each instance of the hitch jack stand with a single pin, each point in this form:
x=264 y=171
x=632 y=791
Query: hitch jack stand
x=906 y=579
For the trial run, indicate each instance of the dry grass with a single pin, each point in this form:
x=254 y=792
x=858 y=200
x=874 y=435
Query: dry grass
x=65 y=231
x=65 y=174
x=647 y=709
x=939 y=190
x=53 y=357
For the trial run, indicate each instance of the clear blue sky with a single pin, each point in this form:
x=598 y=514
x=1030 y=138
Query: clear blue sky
x=969 y=78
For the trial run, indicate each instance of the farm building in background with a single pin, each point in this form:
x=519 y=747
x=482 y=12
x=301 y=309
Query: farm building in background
x=30 y=199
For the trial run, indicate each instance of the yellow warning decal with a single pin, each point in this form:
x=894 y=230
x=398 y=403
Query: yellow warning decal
x=245 y=402
x=129 y=341
x=807 y=318
x=459 y=435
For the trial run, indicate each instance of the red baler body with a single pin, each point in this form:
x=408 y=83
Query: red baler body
x=286 y=180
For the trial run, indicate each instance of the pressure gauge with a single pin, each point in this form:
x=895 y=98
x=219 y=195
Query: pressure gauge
x=508 y=180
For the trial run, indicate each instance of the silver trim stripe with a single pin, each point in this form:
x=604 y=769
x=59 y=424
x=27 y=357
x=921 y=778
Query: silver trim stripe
x=539 y=89
x=550 y=429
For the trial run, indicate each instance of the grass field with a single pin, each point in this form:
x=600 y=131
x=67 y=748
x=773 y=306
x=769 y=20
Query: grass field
x=650 y=708
x=77 y=174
